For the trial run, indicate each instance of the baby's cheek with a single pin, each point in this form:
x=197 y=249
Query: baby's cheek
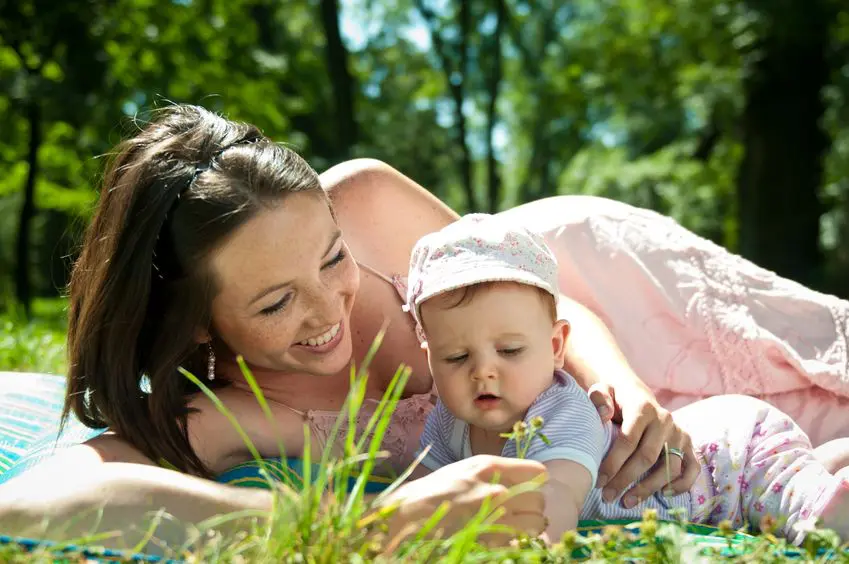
x=448 y=389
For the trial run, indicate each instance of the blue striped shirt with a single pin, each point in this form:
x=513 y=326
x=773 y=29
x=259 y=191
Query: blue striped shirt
x=573 y=427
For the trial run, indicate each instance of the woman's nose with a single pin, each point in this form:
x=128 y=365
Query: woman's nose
x=323 y=305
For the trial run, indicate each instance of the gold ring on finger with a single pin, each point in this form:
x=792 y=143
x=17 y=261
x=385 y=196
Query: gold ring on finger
x=676 y=452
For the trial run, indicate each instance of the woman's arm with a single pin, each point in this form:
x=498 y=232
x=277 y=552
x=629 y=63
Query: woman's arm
x=596 y=362
x=106 y=485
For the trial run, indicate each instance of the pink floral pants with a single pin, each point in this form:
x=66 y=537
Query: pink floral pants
x=755 y=461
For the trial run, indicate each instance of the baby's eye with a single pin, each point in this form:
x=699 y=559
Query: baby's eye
x=457 y=358
x=512 y=351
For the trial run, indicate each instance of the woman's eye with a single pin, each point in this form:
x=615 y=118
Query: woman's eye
x=512 y=351
x=456 y=359
x=337 y=259
x=279 y=306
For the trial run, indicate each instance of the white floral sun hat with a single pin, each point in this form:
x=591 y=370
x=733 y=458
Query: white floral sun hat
x=474 y=249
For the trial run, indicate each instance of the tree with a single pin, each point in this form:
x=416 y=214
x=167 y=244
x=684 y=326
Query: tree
x=340 y=78
x=57 y=48
x=454 y=59
x=494 y=78
x=782 y=171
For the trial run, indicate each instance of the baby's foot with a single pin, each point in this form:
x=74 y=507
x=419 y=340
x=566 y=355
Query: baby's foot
x=835 y=516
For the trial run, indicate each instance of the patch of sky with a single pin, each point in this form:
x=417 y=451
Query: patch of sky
x=360 y=21
x=134 y=103
x=607 y=134
x=444 y=112
x=488 y=23
x=500 y=136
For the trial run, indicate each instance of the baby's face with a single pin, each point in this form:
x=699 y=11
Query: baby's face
x=493 y=354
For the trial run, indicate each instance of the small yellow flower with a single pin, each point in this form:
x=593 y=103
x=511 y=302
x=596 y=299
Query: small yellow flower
x=648 y=529
x=650 y=515
x=520 y=429
x=725 y=527
x=611 y=533
x=536 y=422
x=768 y=524
x=569 y=540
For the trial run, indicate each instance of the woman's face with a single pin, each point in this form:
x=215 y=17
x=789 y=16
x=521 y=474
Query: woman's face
x=286 y=284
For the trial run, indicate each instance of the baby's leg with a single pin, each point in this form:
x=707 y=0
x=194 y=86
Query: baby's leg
x=761 y=464
x=834 y=454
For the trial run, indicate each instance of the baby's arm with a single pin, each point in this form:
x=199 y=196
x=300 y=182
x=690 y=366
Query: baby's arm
x=577 y=442
x=565 y=491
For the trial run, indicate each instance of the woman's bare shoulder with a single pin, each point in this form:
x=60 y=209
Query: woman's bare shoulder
x=107 y=447
x=217 y=441
x=382 y=212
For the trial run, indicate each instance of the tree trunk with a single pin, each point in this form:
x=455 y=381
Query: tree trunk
x=536 y=181
x=459 y=90
x=493 y=177
x=781 y=172
x=23 y=290
x=340 y=78
x=456 y=86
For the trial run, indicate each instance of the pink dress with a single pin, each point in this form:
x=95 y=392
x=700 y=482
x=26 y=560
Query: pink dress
x=694 y=320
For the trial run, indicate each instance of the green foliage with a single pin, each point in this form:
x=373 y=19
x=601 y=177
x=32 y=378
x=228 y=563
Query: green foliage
x=640 y=100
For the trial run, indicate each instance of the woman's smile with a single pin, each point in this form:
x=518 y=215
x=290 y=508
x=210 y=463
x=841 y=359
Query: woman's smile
x=324 y=342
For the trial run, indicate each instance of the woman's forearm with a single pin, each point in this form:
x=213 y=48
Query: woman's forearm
x=592 y=354
x=58 y=501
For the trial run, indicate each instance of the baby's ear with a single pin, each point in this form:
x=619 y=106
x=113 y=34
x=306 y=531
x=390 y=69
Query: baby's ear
x=558 y=341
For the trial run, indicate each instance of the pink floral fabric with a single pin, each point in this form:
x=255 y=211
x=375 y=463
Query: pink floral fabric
x=474 y=249
x=401 y=439
x=758 y=462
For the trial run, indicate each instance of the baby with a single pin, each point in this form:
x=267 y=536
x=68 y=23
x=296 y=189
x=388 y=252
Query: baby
x=485 y=295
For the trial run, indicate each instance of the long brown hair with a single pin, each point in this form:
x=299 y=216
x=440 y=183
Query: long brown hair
x=141 y=288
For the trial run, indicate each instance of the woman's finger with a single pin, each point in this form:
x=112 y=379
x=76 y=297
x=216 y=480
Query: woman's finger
x=667 y=469
x=508 y=471
x=531 y=523
x=602 y=397
x=623 y=448
x=692 y=467
x=640 y=461
x=522 y=514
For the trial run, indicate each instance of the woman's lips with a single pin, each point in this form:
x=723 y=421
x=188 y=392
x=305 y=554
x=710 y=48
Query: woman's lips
x=325 y=347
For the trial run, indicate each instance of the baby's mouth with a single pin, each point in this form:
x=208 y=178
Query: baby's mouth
x=487 y=401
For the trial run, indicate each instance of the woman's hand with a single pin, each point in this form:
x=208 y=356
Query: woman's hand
x=465 y=485
x=645 y=428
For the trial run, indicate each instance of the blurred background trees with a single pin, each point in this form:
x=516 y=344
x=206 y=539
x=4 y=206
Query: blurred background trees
x=731 y=116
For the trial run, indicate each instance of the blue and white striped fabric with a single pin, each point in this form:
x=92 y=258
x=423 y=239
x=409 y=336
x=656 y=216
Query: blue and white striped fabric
x=574 y=429
x=29 y=421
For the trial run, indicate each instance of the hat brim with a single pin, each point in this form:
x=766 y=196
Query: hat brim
x=470 y=277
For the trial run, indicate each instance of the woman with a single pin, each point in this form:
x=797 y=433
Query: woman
x=210 y=241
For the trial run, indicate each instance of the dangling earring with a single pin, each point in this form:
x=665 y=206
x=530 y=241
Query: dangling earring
x=210 y=362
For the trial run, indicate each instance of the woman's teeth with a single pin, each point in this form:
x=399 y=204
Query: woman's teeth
x=321 y=339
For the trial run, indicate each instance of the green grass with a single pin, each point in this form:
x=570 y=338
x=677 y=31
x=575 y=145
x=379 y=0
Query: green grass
x=37 y=345
x=316 y=519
